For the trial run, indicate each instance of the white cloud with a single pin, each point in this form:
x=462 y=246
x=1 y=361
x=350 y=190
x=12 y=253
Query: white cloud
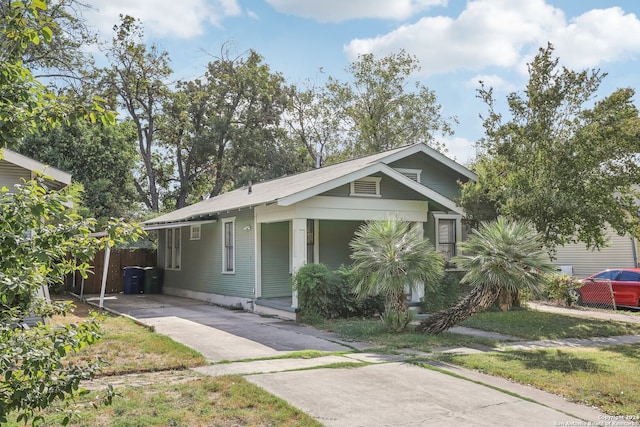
x=165 y=18
x=344 y=10
x=504 y=33
x=461 y=150
x=491 y=81
x=596 y=37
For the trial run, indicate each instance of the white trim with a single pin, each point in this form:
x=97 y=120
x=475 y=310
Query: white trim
x=404 y=171
x=369 y=170
x=376 y=180
x=175 y=259
x=257 y=227
x=345 y=208
x=436 y=155
x=177 y=224
x=195 y=231
x=458 y=224
x=224 y=222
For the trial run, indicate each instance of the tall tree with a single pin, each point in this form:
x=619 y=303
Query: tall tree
x=136 y=81
x=100 y=158
x=563 y=162
x=499 y=255
x=234 y=117
x=314 y=122
x=26 y=104
x=384 y=110
x=65 y=55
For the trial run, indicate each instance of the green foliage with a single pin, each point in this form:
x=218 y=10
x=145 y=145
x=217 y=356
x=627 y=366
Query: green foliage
x=100 y=158
x=26 y=104
x=390 y=257
x=223 y=128
x=500 y=257
x=564 y=163
x=561 y=288
x=329 y=294
x=445 y=293
x=41 y=240
x=504 y=254
x=380 y=113
x=136 y=80
x=379 y=108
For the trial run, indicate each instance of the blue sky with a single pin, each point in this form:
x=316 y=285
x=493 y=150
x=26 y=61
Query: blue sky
x=457 y=42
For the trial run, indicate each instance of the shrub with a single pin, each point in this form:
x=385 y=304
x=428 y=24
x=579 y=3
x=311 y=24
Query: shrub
x=562 y=289
x=329 y=294
x=445 y=293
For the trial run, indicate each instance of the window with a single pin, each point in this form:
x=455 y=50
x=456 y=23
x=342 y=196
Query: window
x=311 y=243
x=368 y=187
x=195 y=232
x=413 y=174
x=629 y=276
x=172 y=253
x=607 y=275
x=447 y=237
x=228 y=245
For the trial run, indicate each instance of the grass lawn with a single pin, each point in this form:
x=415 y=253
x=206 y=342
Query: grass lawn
x=605 y=377
x=373 y=331
x=127 y=347
x=220 y=401
x=130 y=348
x=539 y=325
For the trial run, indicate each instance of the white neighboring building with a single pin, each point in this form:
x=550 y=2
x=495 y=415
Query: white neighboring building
x=621 y=252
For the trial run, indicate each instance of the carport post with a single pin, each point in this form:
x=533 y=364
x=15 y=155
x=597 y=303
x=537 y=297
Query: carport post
x=105 y=271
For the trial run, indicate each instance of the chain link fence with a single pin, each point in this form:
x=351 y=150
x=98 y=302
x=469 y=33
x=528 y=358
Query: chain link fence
x=596 y=294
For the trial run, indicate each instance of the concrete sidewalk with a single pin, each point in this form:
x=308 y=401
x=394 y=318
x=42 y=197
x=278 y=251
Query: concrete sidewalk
x=350 y=389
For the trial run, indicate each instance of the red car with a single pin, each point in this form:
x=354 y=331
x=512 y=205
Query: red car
x=625 y=283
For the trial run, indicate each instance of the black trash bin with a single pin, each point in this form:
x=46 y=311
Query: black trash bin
x=153 y=280
x=133 y=280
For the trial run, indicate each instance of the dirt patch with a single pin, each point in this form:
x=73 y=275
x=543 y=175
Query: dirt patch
x=142 y=379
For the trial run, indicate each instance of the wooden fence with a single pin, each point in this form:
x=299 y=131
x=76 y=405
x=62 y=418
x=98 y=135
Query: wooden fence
x=118 y=259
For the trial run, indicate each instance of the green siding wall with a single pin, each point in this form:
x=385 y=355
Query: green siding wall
x=275 y=260
x=201 y=260
x=389 y=189
x=434 y=174
x=334 y=242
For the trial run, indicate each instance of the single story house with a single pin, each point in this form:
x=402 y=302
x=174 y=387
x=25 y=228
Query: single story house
x=241 y=248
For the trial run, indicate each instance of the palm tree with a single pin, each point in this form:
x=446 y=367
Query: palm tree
x=390 y=256
x=499 y=255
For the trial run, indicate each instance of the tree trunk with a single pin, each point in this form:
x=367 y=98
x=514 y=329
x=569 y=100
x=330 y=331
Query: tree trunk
x=480 y=298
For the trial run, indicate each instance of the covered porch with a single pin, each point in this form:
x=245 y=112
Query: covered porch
x=316 y=230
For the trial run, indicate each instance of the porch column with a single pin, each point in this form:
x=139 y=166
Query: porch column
x=298 y=251
x=417 y=292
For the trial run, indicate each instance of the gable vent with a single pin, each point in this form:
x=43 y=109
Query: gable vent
x=364 y=187
x=369 y=186
x=413 y=174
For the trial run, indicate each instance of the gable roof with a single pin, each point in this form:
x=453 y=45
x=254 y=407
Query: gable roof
x=62 y=178
x=294 y=188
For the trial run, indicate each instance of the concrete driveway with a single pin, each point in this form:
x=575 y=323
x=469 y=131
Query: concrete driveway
x=375 y=390
x=222 y=334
